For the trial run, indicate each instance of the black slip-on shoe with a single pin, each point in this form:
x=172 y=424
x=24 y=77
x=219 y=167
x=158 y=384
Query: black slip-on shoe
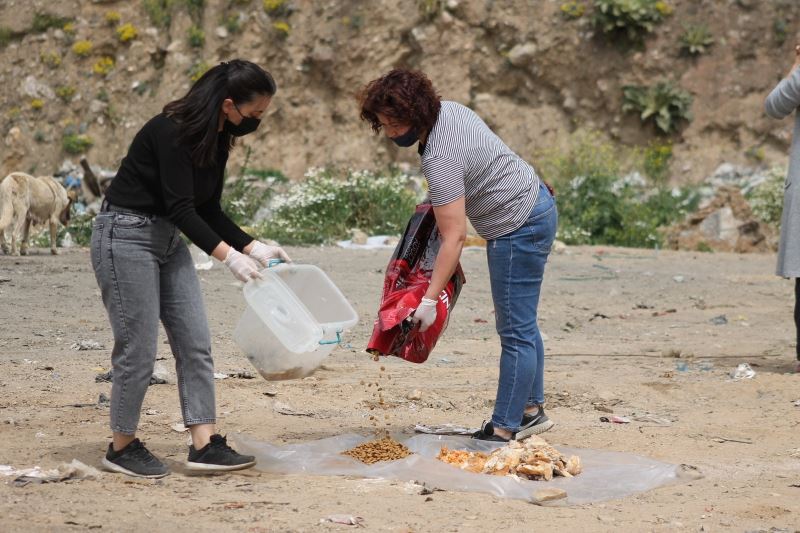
x=217 y=456
x=533 y=424
x=134 y=460
x=487 y=433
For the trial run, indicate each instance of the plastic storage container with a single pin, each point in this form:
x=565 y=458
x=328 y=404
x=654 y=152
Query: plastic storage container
x=294 y=318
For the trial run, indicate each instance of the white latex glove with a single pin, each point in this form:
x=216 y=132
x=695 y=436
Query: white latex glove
x=425 y=313
x=242 y=266
x=263 y=253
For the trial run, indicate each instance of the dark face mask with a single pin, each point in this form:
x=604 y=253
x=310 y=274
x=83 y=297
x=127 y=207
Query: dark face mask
x=407 y=139
x=247 y=125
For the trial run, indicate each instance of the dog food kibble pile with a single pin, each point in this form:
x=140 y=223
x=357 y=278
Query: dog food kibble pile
x=375 y=451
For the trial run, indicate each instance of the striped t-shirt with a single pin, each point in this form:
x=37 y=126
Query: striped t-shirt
x=463 y=157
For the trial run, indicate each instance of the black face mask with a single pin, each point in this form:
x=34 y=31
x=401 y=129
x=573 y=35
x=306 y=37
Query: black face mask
x=247 y=125
x=407 y=139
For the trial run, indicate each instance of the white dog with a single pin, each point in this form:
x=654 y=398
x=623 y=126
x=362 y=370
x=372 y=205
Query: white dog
x=25 y=200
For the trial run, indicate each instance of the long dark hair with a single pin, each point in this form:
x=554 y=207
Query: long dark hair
x=198 y=111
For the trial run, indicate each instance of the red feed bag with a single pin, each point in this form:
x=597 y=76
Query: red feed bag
x=407 y=278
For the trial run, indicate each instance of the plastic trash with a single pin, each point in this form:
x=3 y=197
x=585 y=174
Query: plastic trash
x=743 y=371
x=63 y=472
x=66 y=241
x=202 y=261
x=616 y=419
x=606 y=475
x=294 y=318
x=346 y=519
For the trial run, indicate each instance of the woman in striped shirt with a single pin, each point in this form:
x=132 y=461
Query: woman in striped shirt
x=472 y=174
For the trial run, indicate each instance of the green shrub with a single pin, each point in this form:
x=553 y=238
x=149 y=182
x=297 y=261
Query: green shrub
x=159 y=11
x=112 y=18
x=197 y=37
x=573 y=9
x=6 y=34
x=663 y=103
x=65 y=92
x=656 y=162
x=243 y=197
x=231 y=23
x=197 y=70
x=37 y=104
x=766 y=199
x=127 y=32
x=103 y=66
x=329 y=203
x=45 y=21
x=275 y=7
x=601 y=201
x=51 y=59
x=82 y=48
x=696 y=39
x=780 y=30
x=430 y=8
x=195 y=7
x=80 y=229
x=74 y=143
x=631 y=20
x=282 y=28
x=69 y=30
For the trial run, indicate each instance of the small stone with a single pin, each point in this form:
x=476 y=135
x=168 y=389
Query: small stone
x=548 y=495
x=414 y=395
x=522 y=54
x=222 y=32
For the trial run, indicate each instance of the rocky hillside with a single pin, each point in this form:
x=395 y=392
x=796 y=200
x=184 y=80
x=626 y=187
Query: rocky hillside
x=76 y=72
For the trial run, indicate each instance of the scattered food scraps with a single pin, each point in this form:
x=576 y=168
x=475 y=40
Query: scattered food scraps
x=532 y=458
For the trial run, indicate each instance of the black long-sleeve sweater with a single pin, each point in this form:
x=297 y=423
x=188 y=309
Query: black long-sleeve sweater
x=158 y=177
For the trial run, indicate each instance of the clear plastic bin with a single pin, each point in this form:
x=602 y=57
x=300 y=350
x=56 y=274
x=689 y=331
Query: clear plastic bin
x=293 y=320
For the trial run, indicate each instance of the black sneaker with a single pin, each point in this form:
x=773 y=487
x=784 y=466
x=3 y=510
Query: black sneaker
x=217 y=456
x=533 y=424
x=487 y=433
x=134 y=460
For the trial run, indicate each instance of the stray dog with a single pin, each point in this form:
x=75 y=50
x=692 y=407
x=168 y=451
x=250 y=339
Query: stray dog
x=25 y=200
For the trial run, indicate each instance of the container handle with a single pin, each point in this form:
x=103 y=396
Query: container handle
x=337 y=341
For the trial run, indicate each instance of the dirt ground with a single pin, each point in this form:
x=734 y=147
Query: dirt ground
x=619 y=324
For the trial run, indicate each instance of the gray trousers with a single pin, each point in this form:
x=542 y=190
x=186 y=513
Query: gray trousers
x=146 y=273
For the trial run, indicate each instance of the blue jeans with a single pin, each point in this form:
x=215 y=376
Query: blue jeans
x=145 y=273
x=516 y=270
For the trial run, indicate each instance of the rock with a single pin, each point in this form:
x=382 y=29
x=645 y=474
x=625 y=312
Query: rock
x=414 y=395
x=358 y=236
x=97 y=106
x=222 y=32
x=548 y=495
x=322 y=55
x=725 y=224
x=522 y=54
x=36 y=89
x=558 y=247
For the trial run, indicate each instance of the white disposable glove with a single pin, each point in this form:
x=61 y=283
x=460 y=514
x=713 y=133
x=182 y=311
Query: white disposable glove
x=242 y=266
x=263 y=253
x=425 y=313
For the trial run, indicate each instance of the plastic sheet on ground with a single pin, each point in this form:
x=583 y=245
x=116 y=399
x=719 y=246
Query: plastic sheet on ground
x=606 y=475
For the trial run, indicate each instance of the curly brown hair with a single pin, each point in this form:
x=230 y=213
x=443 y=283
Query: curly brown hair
x=404 y=95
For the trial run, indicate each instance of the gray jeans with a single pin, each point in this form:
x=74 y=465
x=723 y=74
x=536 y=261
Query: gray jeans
x=145 y=272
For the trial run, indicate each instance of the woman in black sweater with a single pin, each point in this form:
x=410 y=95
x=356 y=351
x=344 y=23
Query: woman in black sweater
x=171 y=183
